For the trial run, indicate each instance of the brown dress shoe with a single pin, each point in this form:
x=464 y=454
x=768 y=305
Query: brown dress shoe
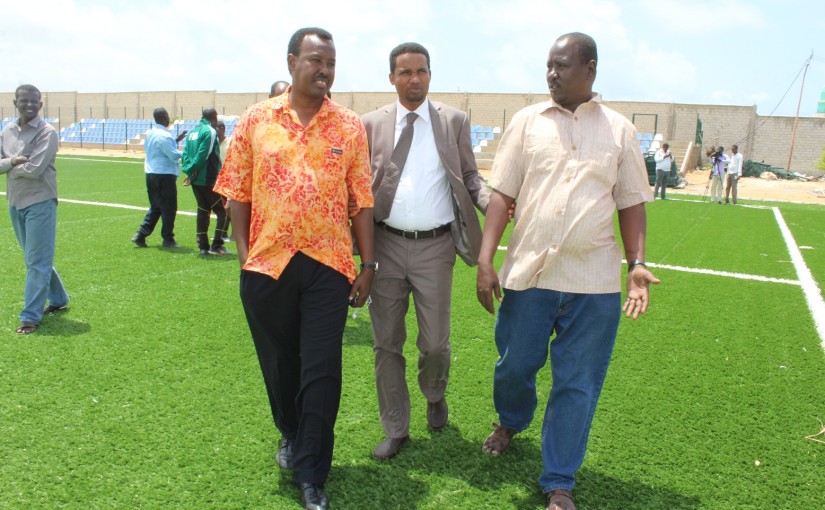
x=390 y=446
x=499 y=441
x=437 y=414
x=560 y=499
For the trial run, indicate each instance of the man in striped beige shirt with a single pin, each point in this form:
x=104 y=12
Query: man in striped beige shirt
x=571 y=162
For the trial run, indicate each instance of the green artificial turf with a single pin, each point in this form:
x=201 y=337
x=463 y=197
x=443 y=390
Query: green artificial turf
x=147 y=392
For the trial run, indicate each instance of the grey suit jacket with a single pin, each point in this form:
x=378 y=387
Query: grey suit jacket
x=451 y=131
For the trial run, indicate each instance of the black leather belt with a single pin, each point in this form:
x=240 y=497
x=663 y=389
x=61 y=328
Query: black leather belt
x=416 y=234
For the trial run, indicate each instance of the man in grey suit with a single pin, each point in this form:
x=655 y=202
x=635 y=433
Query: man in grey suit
x=425 y=183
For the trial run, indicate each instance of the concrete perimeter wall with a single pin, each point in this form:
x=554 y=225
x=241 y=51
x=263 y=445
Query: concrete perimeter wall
x=769 y=139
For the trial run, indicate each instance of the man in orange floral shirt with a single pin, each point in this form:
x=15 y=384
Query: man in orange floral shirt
x=293 y=164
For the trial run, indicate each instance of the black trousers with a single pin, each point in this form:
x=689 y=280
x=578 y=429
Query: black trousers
x=209 y=202
x=163 y=205
x=297 y=323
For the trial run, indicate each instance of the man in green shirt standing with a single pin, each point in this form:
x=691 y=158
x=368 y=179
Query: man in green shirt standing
x=201 y=164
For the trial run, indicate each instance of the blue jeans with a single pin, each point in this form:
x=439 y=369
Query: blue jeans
x=585 y=326
x=35 y=227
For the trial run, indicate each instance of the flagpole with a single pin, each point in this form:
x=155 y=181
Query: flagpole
x=798 y=104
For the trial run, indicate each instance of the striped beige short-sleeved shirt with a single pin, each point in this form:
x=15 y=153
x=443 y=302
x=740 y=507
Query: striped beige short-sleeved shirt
x=569 y=173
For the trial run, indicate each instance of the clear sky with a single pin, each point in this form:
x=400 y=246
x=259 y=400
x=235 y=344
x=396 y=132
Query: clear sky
x=711 y=52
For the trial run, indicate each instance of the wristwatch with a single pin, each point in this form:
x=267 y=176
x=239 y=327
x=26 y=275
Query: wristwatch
x=634 y=263
x=369 y=265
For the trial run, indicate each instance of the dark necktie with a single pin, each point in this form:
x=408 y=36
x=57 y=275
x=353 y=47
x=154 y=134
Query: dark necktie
x=389 y=184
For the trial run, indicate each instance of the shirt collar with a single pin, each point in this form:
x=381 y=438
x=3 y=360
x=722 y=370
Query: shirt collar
x=161 y=127
x=423 y=112
x=281 y=104
x=596 y=99
x=33 y=123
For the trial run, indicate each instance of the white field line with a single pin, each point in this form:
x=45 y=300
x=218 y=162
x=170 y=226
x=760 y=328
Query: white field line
x=727 y=274
x=108 y=160
x=812 y=293
x=116 y=206
x=750 y=206
x=741 y=276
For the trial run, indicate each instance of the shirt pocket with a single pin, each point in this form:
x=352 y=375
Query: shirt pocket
x=543 y=153
x=602 y=162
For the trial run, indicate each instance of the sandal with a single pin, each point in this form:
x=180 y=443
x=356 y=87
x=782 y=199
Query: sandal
x=560 y=499
x=26 y=328
x=499 y=441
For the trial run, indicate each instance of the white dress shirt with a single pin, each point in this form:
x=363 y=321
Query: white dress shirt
x=663 y=160
x=735 y=165
x=422 y=200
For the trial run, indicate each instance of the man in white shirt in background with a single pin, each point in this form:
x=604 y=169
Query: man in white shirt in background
x=162 y=168
x=663 y=163
x=734 y=173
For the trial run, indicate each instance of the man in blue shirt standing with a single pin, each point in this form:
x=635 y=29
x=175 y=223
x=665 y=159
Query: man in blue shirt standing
x=162 y=168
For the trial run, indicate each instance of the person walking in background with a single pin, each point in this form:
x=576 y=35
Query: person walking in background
x=734 y=173
x=562 y=270
x=223 y=140
x=201 y=164
x=28 y=148
x=223 y=150
x=426 y=184
x=162 y=168
x=664 y=160
x=294 y=163
x=717 y=173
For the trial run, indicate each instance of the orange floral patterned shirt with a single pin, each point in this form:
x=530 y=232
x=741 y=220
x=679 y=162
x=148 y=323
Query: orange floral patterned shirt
x=298 y=180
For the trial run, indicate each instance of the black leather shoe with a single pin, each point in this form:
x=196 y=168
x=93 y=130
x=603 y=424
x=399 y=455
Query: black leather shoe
x=389 y=447
x=437 y=414
x=170 y=244
x=284 y=455
x=139 y=240
x=313 y=497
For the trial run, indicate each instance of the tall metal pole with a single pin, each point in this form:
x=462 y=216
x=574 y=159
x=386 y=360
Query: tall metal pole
x=798 y=104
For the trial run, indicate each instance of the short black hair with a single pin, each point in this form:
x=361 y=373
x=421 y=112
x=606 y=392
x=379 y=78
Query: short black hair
x=160 y=114
x=221 y=124
x=275 y=86
x=297 y=38
x=210 y=113
x=27 y=87
x=408 y=47
x=585 y=46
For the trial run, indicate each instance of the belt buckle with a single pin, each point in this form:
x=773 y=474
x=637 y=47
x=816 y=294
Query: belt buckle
x=411 y=234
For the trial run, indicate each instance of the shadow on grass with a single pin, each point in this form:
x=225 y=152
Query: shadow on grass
x=358 y=331
x=60 y=325
x=507 y=481
x=597 y=490
x=356 y=488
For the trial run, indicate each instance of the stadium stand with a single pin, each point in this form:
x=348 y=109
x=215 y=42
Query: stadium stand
x=103 y=132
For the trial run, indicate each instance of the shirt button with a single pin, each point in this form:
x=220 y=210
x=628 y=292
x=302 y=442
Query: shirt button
x=574 y=147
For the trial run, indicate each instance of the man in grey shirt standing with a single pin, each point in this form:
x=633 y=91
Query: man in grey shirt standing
x=28 y=149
